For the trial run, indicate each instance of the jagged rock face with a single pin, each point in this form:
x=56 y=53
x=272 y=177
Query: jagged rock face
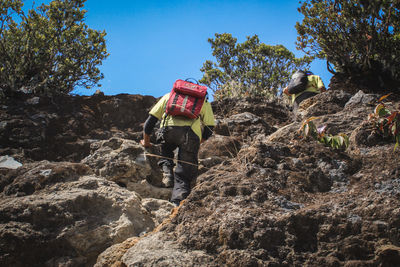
x=62 y=128
x=329 y=103
x=59 y=214
x=243 y=126
x=266 y=196
x=289 y=201
x=238 y=123
x=249 y=213
x=272 y=112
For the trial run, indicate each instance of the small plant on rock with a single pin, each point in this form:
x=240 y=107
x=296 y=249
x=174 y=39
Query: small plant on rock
x=386 y=122
x=309 y=129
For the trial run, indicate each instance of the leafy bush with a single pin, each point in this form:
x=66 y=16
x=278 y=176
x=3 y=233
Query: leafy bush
x=360 y=38
x=340 y=141
x=50 y=50
x=250 y=68
x=386 y=122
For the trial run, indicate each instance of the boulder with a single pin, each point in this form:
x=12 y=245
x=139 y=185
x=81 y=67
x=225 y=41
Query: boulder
x=9 y=162
x=243 y=126
x=60 y=214
x=220 y=146
x=158 y=250
x=329 y=102
x=126 y=163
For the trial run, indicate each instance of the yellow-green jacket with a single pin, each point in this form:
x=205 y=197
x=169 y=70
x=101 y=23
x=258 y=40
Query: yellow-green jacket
x=314 y=85
x=206 y=117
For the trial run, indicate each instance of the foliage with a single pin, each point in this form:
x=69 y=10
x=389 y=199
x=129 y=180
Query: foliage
x=50 y=50
x=360 y=38
x=250 y=68
x=340 y=141
x=386 y=122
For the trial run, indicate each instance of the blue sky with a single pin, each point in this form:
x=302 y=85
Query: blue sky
x=152 y=43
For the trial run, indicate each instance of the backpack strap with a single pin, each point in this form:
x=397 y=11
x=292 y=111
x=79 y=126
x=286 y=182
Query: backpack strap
x=187 y=80
x=165 y=115
x=193 y=120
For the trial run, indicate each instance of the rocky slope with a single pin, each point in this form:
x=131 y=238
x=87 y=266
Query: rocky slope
x=87 y=194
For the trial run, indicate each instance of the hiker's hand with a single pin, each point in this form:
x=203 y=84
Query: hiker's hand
x=144 y=143
x=286 y=91
x=146 y=140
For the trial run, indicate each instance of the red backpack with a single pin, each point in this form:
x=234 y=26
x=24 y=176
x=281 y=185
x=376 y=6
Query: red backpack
x=186 y=99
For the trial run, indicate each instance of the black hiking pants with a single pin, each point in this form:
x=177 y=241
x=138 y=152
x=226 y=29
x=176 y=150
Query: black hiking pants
x=301 y=98
x=188 y=144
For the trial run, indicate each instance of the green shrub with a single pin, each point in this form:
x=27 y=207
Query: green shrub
x=360 y=38
x=250 y=68
x=49 y=50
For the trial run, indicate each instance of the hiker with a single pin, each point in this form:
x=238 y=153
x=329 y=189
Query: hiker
x=303 y=85
x=182 y=132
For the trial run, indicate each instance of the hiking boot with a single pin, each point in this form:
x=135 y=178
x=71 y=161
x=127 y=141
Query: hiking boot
x=175 y=203
x=168 y=177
